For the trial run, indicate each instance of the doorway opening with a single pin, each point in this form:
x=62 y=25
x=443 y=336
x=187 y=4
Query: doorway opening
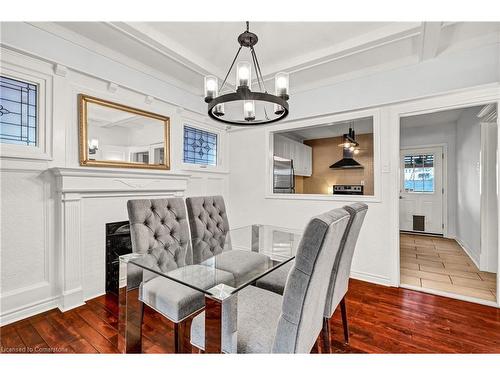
x=448 y=212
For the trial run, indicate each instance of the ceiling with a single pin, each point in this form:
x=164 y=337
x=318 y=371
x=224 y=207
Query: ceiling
x=104 y=117
x=314 y=53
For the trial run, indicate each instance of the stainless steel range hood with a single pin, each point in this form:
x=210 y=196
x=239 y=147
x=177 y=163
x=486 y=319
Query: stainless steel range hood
x=347 y=162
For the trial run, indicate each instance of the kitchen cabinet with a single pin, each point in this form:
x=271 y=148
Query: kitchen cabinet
x=300 y=153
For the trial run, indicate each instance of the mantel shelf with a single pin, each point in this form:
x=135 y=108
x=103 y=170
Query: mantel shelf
x=105 y=180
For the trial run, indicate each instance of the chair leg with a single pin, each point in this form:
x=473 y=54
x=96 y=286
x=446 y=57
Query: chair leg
x=344 y=320
x=183 y=335
x=326 y=335
x=176 y=338
x=315 y=348
x=141 y=308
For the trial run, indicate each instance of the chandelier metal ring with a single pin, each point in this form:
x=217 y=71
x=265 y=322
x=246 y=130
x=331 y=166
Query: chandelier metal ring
x=243 y=94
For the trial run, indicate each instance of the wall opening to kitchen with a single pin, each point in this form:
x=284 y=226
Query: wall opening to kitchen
x=330 y=159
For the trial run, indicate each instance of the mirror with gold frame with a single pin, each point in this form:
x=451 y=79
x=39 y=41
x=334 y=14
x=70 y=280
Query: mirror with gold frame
x=115 y=135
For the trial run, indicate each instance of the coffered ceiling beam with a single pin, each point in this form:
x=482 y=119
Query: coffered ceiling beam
x=429 y=40
x=373 y=39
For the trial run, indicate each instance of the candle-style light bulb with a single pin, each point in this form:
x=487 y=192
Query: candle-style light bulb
x=278 y=109
x=249 y=110
x=219 y=110
x=243 y=73
x=281 y=84
x=211 y=89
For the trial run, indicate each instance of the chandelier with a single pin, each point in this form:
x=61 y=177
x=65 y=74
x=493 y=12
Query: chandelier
x=244 y=106
x=349 y=140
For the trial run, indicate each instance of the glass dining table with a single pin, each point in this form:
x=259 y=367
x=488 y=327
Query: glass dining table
x=249 y=253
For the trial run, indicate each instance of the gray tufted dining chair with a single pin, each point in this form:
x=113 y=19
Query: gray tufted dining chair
x=339 y=281
x=159 y=230
x=211 y=240
x=270 y=323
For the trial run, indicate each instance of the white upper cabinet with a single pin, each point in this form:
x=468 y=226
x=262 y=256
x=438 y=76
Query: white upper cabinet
x=307 y=160
x=300 y=153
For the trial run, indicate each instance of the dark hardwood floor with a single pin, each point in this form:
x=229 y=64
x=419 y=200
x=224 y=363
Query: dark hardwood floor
x=381 y=320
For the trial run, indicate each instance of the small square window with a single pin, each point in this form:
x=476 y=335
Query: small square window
x=200 y=146
x=419 y=173
x=18 y=112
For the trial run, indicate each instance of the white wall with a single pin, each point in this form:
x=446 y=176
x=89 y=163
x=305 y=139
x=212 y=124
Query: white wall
x=444 y=133
x=488 y=260
x=29 y=233
x=469 y=183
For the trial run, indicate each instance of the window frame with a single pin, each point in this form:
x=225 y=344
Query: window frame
x=43 y=148
x=220 y=166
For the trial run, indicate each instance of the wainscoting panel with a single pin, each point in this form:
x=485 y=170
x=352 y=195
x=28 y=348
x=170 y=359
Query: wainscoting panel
x=23 y=206
x=26 y=241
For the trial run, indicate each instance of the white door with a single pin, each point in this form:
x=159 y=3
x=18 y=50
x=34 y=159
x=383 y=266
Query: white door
x=421 y=191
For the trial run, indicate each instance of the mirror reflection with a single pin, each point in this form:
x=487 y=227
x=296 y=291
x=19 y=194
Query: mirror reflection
x=121 y=136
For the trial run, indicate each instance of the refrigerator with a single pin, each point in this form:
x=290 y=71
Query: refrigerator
x=283 y=176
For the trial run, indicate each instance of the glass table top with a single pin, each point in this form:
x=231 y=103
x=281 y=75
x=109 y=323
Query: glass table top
x=248 y=253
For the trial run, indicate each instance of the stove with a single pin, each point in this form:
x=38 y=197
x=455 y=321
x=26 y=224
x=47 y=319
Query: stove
x=348 y=189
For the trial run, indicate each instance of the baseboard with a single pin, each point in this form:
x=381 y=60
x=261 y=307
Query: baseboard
x=371 y=278
x=71 y=299
x=468 y=252
x=28 y=310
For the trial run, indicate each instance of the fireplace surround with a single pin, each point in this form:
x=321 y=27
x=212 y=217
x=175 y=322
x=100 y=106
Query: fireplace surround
x=86 y=199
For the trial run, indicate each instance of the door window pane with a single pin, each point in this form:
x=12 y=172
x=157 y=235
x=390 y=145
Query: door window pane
x=419 y=173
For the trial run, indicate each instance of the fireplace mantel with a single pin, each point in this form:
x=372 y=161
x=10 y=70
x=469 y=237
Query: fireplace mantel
x=77 y=187
x=106 y=180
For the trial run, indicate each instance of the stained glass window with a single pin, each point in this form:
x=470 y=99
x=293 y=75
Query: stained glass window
x=200 y=146
x=419 y=173
x=18 y=112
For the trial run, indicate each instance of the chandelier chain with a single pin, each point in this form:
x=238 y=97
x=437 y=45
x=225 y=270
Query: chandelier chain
x=259 y=76
x=257 y=69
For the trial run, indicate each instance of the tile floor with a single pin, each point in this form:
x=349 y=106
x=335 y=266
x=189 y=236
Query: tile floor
x=441 y=264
